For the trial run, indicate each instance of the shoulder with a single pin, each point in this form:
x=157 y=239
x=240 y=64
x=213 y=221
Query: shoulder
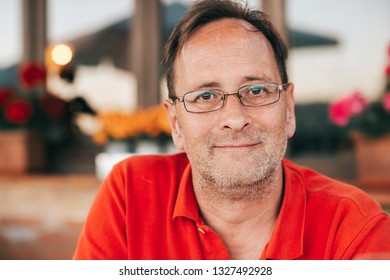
x=343 y=215
x=151 y=177
x=333 y=193
x=149 y=169
x=156 y=163
x=154 y=159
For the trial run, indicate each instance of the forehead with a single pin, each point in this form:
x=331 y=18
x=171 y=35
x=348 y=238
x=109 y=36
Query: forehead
x=224 y=32
x=217 y=49
x=219 y=28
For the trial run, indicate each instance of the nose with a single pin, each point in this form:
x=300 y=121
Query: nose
x=234 y=115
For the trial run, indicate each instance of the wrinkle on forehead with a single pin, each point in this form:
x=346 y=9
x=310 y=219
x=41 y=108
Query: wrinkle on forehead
x=216 y=36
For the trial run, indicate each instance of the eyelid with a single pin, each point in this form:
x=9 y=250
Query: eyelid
x=251 y=86
x=218 y=90
x=207 y=90
x=212 y=90
x=256 y=86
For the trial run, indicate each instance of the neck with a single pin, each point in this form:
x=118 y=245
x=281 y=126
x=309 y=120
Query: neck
x=245 y=225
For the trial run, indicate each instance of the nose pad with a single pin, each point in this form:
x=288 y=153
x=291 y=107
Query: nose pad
x=225 y=97
x=233 y=115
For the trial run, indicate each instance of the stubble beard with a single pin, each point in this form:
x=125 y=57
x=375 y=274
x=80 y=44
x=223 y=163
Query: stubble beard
x=239 y=177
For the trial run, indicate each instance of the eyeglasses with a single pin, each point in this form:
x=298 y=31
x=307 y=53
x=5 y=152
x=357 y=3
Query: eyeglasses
x=202 y=101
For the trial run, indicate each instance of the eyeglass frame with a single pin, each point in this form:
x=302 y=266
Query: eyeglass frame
x=280 y=87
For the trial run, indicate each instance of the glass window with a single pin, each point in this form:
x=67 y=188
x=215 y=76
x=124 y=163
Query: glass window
x=69 y=19
x=10 y=33
x=356 y=61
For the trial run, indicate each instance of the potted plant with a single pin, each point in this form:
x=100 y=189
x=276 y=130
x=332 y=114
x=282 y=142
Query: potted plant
x=130 y=129
x=30 y=118
x=144 y=131
x=369 y=123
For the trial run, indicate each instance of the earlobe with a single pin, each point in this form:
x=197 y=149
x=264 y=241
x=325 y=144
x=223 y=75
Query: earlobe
x=172 y=119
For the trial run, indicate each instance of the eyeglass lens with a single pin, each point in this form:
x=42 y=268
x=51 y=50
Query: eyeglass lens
x=211 y=100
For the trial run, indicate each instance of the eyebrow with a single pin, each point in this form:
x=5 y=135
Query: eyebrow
x=207 y=85
x=254 y=78
x=244 y=80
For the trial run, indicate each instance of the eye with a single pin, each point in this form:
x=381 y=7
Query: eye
x=256 y=90
x=206 y=96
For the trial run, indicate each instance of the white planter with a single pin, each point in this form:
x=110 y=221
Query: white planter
x=117 y=151
x=146 y=146
x=105 y=161
x=170 y=148
x=118 y=146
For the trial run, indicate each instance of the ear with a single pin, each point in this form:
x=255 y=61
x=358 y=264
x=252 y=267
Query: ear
x=172 y=119
x=290 y=117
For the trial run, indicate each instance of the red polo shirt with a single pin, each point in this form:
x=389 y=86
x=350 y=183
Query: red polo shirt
x=146 y=209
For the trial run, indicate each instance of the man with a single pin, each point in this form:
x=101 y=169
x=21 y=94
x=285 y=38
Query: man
x=230 y=195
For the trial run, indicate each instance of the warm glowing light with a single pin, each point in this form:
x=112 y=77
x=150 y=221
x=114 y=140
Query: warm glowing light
x=61 y=54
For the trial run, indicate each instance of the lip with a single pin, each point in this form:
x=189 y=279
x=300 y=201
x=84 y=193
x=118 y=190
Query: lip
x=236 y=146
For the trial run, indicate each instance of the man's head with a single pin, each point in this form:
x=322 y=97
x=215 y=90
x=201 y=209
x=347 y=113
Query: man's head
x=237 y=147
x=204 y=12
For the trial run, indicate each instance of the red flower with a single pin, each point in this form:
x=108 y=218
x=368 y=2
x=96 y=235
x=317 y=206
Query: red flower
x=18 y=111
x=5 y=94
x=54 y=107
x=342 y=110
x=31 y=75
x=386 y=101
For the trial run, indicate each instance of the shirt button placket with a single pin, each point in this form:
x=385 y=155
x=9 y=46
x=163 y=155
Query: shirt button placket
x=201 y=230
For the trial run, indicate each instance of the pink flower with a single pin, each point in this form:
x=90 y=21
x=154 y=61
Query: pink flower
x=388 y=50
x=338 y=114
x=342 y=110
x=386 y=101
x=357 y=104
x=387 y=71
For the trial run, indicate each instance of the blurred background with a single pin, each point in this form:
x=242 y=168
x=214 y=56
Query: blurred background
x=81 y=87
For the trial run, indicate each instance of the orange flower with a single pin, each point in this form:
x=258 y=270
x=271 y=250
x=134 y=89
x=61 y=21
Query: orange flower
x=150 y=122
x=100 y=138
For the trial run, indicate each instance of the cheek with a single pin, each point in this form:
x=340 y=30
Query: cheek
x=194 y=131
x=274 y=121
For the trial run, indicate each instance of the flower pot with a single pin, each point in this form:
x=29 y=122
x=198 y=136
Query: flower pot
x=372 y=162
x=116 y=151
x=21 y=151
x=119 y=146
x=147 y=146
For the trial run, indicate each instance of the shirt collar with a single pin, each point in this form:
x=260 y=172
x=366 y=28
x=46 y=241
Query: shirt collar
x=186 y=204
x=287 y=239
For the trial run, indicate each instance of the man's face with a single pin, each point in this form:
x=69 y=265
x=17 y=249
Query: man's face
x=236 y=146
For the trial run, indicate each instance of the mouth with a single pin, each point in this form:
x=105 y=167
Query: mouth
x=237 y=146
